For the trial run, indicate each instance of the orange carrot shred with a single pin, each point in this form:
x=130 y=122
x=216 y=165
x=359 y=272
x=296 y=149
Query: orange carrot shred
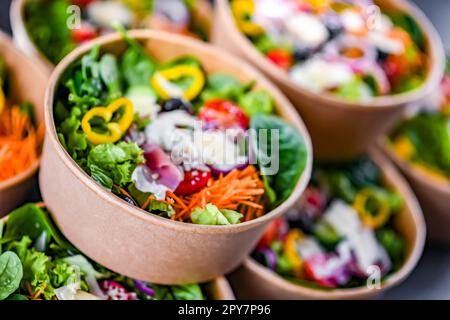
x=20 y=142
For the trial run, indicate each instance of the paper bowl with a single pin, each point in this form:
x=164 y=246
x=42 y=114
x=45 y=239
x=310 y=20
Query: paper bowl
x=254 y=281
x=202 y=9
x=433 y=195
x=126 y=239
x=340 y=129
x=27 y=79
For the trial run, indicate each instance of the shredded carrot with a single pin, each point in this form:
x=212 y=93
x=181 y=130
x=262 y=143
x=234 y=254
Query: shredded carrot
x=240 y=190
x=20 y=142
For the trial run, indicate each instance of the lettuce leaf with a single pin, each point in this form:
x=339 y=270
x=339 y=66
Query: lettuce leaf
x=110 y=164
x=211 y=215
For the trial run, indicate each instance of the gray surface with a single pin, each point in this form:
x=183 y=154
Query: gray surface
x=431 y=279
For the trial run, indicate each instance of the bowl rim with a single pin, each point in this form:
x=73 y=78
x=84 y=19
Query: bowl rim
x=408 y=266
x=409 y=170
x=136 y=212
x=436 y=60
x=29 y=172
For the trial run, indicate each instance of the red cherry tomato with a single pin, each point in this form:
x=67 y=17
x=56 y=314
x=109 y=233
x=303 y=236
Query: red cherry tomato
x=223 y=114
x=273 y=232
x=194 y=181
x=115 y=291
x=281 y=58
x=82 y=3
x=84 y=33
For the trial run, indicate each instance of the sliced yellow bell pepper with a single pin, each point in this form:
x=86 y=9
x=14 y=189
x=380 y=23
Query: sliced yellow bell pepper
x=290 y=249
x=242 y=11
x=161 y=82
x=116 y=129
x=372 y=220
x=403 y=148
x=2 y=99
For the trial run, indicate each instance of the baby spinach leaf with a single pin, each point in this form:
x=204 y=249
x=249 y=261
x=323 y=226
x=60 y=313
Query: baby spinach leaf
x=291 y=155
x=10 y=274
x=137 y=67
x=28 y=220
x=187 y=292
x=109 y=72
x=32 y=221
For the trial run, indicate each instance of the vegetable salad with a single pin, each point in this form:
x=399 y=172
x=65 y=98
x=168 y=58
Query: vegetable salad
x=56 y=28
x=341 y=233
x=347 y=48
x=37 y=263
x=424 y=140
x=175 y=141
x=20 y=139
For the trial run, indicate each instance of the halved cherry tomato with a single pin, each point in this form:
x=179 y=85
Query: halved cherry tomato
x=84 y=33
x=115 y=291
x=281 y=58
x=194 y=181
x=223 y=114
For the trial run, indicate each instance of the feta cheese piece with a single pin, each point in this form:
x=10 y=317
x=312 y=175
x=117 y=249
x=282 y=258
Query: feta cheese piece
x=343 y=218
x=308 y=247
x=385 y=43
x=161 y=130
x=105 y=13
x=307 y=29
x=353 y=21
x=319 y=75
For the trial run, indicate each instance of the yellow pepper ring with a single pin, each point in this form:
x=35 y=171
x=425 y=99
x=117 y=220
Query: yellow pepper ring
x=371 y=220
x=116 y=129
x=2 y=99
x=290 y=249
x=242 y=9
x=161 y=81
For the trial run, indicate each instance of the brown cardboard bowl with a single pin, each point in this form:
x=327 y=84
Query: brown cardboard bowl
x=26 y=44
x=340 y=129
x=254 y=281
x=217 y=289
x=28 y=80
x=124 y=238
x=433 y=195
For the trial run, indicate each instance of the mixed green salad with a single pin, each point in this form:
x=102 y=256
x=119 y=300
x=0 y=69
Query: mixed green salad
x=56 y=27
x=347 y=48
x=341 y=233
x=176 y=141
x=424 y=139
x=38 y=263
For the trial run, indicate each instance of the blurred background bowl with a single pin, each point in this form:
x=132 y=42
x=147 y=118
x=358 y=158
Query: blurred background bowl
x=27 y=80
x=340 y=129
x=254 y=281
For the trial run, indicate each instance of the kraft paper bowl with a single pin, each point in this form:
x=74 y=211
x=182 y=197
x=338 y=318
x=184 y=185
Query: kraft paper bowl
x=433 y=195
x=254 y=281
x=340 y=129
x=202 y=12
x=27 y=83
x=126 y=239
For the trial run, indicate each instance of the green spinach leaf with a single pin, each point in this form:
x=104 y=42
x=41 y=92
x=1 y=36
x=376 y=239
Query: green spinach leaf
x=289 y=160
x=10 y=274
